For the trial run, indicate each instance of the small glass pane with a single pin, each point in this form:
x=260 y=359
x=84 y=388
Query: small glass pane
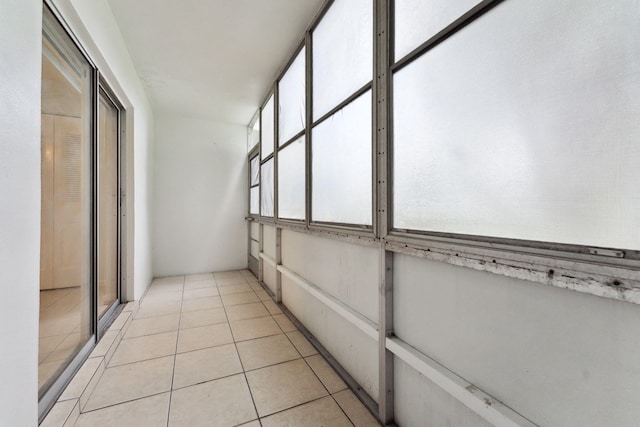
x=291 y=180
x=266 y=199
x=267 y=129
x=416 y=21
x=342 y=182
x=342 y=53
x=254 y=205
x=253 y=136
x=291 y=97
x=255 y=171
x=537 y=143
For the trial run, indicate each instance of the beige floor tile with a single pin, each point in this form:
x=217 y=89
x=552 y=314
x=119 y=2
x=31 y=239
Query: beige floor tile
x=223 y=402
x=326 y=373
x=200 y=284
x=193 y=319
x=256 y=286
x=302 y=344
x=355 y=410
x=266 y=351
x=200 y=293
x=249 y=329
x=143 y=348
x=151 y=411
x=201 y=303
x=168 y=280
x=203 y=337
x=198 y=277
x=321 y=412
x=230 y=280
x=160 y=297
x=254 y=423
x=82 y=378
x=158 y=308
x=283 y=321
x=235 y=289
x=120 y=321
x=153 y=325
x=204 y=365
x=246 y=311
x=272 y=307
x=283 y=386
x=61 y=414
x=105 y=343
x=162 y=288
x=241 y=298
x=132 y=381
x=264 y=295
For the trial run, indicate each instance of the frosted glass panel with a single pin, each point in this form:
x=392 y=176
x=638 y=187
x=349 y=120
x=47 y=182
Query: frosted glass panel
x=253 y=135
x=254 y=202
x=291 y=97
x=266 y=199
x=502 y=132
x=291 y=181
x=416 y=21
x=267 y=129
x=255 y=171
x=341 y=165
x=342 y=53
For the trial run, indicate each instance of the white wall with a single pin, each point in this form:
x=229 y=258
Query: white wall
x=93 y=23
x=201 y=198
x=20 y=50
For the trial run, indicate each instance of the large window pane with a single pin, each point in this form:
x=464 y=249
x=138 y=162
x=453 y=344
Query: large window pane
x=291 y=100
x=291 y=180
x=342 y=53
x=267 y=129
x=253 y=136
x=266 y=183
x=342 y=186
x=538 y=143
x=416 y=21
x=66 y=200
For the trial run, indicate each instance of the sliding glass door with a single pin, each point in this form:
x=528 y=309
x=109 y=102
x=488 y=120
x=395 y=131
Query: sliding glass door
x=80 y=208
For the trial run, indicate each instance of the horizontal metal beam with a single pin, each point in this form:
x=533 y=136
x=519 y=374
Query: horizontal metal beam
x=466 y=393
x=358 y=320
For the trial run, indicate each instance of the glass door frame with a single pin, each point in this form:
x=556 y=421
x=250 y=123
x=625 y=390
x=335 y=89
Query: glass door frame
x=103 y=322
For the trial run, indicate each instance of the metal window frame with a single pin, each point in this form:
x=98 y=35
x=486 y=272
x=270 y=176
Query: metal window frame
x=606 y=272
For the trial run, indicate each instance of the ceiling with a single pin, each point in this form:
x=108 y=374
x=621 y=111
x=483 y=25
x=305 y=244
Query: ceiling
x=212 y=59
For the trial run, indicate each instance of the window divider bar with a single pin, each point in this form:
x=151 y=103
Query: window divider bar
x=467 y=18
x=343 y=104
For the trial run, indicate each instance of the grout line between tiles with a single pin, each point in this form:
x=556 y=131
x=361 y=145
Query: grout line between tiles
x=173 y=371
x=244 y=375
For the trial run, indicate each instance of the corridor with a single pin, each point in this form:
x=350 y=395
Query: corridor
x=206 y=349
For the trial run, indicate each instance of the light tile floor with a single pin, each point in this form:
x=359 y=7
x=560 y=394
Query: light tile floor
x=214 y=350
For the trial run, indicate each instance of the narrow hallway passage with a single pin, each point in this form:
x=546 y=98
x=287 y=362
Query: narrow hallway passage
x=208 y=349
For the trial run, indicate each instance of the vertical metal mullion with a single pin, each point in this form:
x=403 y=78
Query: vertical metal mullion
x=309 y=121
x=278 y=252
x=381 y=121
x=276 y=148
x=260 y=251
